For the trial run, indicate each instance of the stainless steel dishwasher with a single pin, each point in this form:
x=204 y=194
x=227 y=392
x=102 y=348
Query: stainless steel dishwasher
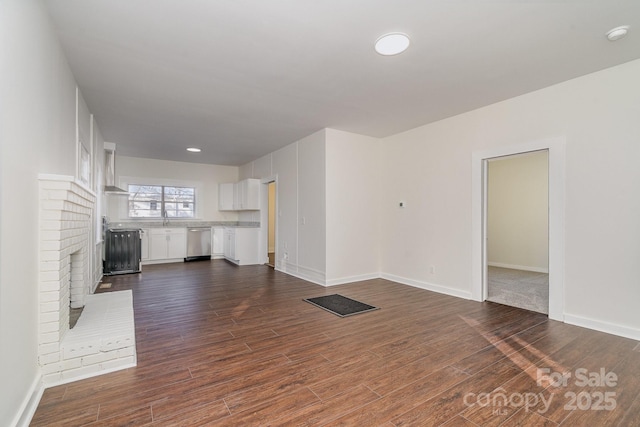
x=198 y=244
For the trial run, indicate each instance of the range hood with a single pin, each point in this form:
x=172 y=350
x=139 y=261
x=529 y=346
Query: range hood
x=110 y=171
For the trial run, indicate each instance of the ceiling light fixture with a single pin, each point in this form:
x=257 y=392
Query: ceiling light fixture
x=392 y=44
x=194 y=149
x=617 y=33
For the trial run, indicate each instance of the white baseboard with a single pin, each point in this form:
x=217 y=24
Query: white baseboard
x=598 y=325
x=304 y=273
x=28 y=408
x=519 y=267
x=32 y=400
x=427 y=286
x=351 y=279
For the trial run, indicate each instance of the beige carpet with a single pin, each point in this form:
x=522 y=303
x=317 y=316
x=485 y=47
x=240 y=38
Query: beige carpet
x=518 y=288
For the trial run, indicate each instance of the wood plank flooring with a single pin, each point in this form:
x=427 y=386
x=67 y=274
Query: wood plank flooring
x=221 y=345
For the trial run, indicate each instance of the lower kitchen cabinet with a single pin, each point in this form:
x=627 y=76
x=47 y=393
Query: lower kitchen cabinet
x=241 y=245
x=167 y=243
x=144 y=249
x=217 y=246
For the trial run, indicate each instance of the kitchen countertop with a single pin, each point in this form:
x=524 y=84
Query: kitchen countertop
x=183 y=224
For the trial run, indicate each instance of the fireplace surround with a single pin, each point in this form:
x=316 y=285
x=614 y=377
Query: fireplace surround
x=103 y=339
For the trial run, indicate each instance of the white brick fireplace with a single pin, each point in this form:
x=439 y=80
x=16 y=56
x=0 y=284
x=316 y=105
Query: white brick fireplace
x=103 y=339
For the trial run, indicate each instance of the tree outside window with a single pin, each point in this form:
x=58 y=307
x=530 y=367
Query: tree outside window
x=158 y=201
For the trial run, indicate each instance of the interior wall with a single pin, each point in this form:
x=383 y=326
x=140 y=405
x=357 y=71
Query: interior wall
x=300 y=174
x=430 y=168
x=352 y=207
x=38 y=135
x=312 y=227
x=132 y=170
x=285 y=167
x=100 y=206
x=518 y=212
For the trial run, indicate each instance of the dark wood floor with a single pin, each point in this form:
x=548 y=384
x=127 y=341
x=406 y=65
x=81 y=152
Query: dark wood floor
x=225 y=345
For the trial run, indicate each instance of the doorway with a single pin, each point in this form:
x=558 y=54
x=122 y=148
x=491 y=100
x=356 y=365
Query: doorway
x=271 y=224
x=556 y=147
x=517 y=230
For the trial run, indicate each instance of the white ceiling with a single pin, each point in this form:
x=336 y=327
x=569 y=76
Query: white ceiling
x=242 y=78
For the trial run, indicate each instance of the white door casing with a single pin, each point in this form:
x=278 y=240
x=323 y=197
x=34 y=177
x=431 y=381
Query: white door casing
x=556 y=148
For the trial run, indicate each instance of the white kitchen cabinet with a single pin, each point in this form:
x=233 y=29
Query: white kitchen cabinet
x=167 y=243
x=144 y=237
x=239 y=196
x=226 y=192
x=217 y=246
x=241 y=245
x=248 y=195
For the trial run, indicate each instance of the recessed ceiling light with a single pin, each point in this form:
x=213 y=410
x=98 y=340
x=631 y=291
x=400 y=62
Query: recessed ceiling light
x=392 y=44
x=194 y=149
x=617 y=33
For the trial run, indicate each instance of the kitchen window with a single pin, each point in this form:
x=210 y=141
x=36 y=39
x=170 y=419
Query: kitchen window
x=159 y=201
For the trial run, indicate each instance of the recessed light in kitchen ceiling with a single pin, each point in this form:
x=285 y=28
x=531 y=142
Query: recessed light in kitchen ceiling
x=617 y=33
x=194 y=149
x=392 y=44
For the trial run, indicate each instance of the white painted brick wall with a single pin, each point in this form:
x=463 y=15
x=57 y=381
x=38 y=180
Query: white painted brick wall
x=104 y=337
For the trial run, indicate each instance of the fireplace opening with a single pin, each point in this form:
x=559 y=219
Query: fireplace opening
x=76 y=287
x=74 y=315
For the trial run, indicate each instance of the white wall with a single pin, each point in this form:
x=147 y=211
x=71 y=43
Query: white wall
x=518 y=212
x=38 y=135
x=352 y=207
x=312 y=260
x=205 y=178
x=430 y=167
x=285 y=167
x=300 y=173
x=328 y=200
x=100 y=206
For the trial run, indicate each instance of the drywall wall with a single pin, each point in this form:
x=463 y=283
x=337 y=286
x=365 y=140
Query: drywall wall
x=285 y=167
x=518 y=212
x=205 y=178
x=352 y=206
x=312 y=260
x=38 y=134
x=299 y=172
x=430 y=168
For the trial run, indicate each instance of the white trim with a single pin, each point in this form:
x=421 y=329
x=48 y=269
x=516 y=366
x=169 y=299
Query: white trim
x=519 y=267
x=352 y=279
x=311 y=274
x=556 y=148
x=65 y=178
x=598 y=325
x=30 y=404
x=304 y=273
x=263 y=252
x=427 y=286
x=54 y=177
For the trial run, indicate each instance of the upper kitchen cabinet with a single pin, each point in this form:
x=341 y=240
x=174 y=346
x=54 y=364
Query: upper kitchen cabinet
x=225 y=196
x=248 y=195
x=239 y=196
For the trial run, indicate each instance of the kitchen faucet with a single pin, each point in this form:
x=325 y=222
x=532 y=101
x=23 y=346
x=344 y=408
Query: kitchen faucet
x=165 y=218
